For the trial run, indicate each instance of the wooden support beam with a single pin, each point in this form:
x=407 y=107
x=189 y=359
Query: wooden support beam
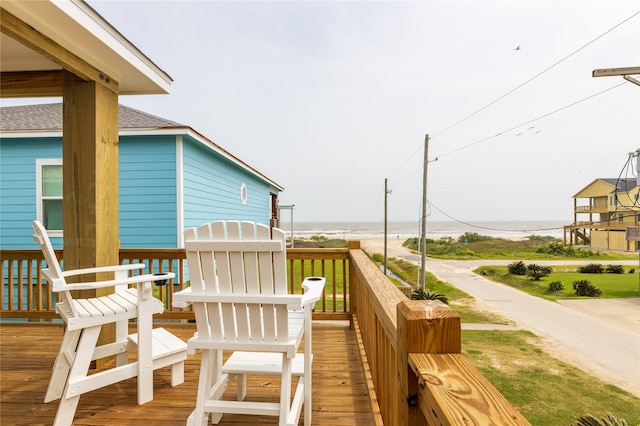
x=425 y=327
x=607 y=72
x=90 y=178
x=31 y=84
x=35 y=40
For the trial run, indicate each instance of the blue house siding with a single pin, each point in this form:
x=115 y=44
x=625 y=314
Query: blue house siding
x=18 y=188
x=211 y=186
x=164 y=184
x=147 y=185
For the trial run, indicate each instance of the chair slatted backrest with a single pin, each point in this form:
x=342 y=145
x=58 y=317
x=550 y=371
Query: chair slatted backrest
x=53 y=273
x=234 y=258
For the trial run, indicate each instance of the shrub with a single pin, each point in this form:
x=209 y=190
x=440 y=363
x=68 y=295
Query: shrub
x=632 y=270
x=592 y=268
x=536 y=272
x=615 y=269
x=589 y=420
x=473 y=237
x=585 y=288
x=559 y=249
x=517 y=268
x=429 y=295
x=556 y=286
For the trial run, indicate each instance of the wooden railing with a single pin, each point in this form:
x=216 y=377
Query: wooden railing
x=613 y=225
x=412 y=348
x=25 y=294
x=591 y=209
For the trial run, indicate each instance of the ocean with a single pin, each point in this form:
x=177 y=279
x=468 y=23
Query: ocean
x=435 y=230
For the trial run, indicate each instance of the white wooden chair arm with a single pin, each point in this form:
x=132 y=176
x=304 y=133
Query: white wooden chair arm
x=313 y=288
x=184 y=297
x=136 y=279
x=99 y=269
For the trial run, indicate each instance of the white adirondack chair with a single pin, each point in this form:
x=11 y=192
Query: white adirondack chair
x=238 y=289
x=84 y=318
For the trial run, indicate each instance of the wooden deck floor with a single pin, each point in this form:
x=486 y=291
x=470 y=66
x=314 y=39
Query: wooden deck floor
x=27 y=353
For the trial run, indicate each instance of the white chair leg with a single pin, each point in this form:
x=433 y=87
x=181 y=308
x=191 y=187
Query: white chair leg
x=307 y=390
x=177 y=373
x=122 y=330
x=145 y=344
x=242 y=387
x=308 y=360
x=215 y=369
x=285 y=390
x=62 y=365
x=200 y=418
x=79 y=370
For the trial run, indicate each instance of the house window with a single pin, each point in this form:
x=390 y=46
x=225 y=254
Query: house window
x=49 y=194
x=620 y=217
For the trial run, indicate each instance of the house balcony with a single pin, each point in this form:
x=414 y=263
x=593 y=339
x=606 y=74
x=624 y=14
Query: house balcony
x=379 y=358
x=591 y=209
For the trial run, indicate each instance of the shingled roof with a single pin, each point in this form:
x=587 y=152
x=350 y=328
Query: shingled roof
x=621 y=184
x=48 y=117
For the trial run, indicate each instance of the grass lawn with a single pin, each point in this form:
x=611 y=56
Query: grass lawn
x=545 y=390
x=612 y=285
x=530 y=248
x=463 y=303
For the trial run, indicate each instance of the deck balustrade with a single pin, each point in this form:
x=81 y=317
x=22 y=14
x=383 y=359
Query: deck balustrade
x=410 y=350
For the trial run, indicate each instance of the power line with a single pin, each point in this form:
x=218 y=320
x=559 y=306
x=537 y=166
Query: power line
x=533 y=120
x=489 y=228
x=534 y=77
x=511 y=91
x=507 y=130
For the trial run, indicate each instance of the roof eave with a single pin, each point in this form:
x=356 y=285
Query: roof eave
x=77 y=27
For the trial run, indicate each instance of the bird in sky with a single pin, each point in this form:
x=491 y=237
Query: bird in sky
x=517 y=48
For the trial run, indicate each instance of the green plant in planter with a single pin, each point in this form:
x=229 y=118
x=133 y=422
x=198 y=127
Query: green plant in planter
x=419 y=294
x=589 y=420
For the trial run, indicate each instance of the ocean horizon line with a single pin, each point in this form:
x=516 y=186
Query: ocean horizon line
x=434 y=230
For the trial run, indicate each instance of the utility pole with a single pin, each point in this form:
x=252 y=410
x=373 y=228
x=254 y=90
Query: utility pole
x=423 y=236
x=385 y=225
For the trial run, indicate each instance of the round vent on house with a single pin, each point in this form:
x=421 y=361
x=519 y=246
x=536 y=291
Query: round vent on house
x=243 y=193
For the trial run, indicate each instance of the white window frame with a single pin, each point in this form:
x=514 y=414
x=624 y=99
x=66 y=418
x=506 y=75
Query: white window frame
x=39 y=213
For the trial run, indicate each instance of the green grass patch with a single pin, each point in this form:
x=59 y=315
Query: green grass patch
x=530 y=248
x=463 y=303
x=612 y=285
x=545 y=390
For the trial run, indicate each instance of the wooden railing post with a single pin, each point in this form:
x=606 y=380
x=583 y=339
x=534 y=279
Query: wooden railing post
x=424 y=326
x=353 y=282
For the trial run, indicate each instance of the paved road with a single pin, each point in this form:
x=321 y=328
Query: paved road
x=597 y=343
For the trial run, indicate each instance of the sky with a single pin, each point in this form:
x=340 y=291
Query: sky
x=330 y=98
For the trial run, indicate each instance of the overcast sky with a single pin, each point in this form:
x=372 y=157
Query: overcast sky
x=329 y=98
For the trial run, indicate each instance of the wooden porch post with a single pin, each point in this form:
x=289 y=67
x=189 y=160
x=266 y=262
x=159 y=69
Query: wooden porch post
x=424 y=326
x=353 y=282
x=90 y=178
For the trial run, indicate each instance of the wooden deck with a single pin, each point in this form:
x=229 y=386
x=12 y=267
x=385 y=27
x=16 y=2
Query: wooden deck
x=27 y=353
